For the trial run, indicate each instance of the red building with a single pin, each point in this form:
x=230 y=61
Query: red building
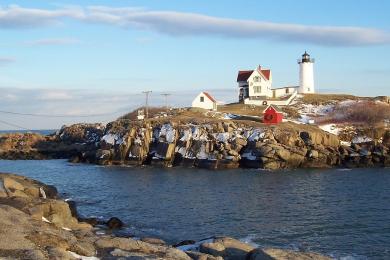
x=272 y=115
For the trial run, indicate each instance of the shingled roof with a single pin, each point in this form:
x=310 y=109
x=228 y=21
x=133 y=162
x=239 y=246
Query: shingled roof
x=209 y=96
x=243 y=75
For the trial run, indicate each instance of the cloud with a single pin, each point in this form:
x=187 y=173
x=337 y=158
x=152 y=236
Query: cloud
x=15 y=17
x=192 y=24
x=55 y=95
x=53 y=41
x=101 y=106
x=6 y=60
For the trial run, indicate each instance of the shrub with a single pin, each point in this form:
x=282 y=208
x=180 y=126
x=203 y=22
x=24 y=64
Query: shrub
x=367 y=112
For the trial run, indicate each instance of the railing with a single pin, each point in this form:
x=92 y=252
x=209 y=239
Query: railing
x=310 y=60
x=257 y=102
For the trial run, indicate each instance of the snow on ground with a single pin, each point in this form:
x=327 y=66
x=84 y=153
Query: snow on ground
x=361 y=139
x=249 y=156
x=255 y=135
x=330 y=128
x=316 y=109
x=112 y=139
x=222 y=137
x=169 y=133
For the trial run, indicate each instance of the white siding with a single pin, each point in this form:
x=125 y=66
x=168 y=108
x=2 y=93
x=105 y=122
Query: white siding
x=306 y=78
x=263 y=84
x=206 y=104
x=280 y=92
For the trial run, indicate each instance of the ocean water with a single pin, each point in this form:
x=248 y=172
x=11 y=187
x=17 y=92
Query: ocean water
x=338 y=212
x=42 y=132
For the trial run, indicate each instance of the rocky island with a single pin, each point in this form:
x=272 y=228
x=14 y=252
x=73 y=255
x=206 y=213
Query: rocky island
x=37 y=224
x=219 y=140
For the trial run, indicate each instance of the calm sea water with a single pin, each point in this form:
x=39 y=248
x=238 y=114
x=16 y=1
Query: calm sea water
x=42 y=132
x=341 y=213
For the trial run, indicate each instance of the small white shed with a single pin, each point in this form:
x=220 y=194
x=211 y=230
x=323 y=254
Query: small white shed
x=205 y=100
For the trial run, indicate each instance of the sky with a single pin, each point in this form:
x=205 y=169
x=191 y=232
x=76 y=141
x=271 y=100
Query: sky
x=89 y=61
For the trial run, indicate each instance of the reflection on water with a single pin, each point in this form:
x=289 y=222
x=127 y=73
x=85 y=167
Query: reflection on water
x=336 y=212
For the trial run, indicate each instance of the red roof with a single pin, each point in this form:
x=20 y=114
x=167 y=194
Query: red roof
x=209 y=96
x=243 y=75
x=272 y=108
x=266 y=73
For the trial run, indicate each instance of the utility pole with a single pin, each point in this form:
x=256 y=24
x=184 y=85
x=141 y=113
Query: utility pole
x=147 y=102
x=166 y=95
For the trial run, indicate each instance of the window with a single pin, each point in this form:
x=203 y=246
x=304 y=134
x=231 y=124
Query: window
x=257 y=79
x=287 y=90
x=257 y=89
x=201 y=99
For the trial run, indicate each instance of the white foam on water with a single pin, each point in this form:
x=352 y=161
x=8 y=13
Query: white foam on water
x=195 y=247
x=249 y=239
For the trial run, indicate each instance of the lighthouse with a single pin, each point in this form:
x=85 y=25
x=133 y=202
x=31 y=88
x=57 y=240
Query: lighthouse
x=306 y=74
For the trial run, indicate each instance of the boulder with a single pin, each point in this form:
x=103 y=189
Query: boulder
x=114 y=223
x=201 y=256
x=130 y=246
x=279 y=254
x=57 y=212
x=258 y=254
x=56 y=253
x=72 y=207
x=126 y=244
x=226 y=247
x=386 y=138
x=313 y=154
x=154 y=241
x=83 y=248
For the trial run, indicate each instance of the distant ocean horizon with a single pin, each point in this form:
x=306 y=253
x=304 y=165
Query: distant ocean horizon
x=42 y=131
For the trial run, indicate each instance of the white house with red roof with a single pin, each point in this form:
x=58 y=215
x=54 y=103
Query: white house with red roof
x=255 y=86
x=204 y=100
x=254 y=83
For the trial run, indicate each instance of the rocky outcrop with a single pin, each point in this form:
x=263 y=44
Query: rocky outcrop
x=75 y=141
x=215 y=145
x=229 y=144
x=272 y=254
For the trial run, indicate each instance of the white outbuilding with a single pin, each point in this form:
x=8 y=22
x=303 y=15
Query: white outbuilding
x=205 y=100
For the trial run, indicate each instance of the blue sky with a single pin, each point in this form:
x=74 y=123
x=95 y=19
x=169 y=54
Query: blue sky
x=96 y=57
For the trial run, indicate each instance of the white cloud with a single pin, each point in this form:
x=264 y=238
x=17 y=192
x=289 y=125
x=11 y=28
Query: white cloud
x=76 y=104
x=56 y=95
x=192 y=24
x=54 y=41
x=6 y=60
x=14 y=16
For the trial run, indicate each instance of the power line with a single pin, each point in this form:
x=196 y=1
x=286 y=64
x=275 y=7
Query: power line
x=60 y=116
x=13 y=125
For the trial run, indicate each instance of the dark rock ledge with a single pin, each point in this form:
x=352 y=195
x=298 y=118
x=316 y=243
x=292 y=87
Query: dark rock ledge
x=212 y=145
x=36 y=224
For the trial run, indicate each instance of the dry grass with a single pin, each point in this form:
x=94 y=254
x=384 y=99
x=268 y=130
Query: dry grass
x=153 y=111
x=242 y=109
x=364 y=112
x=323 y=99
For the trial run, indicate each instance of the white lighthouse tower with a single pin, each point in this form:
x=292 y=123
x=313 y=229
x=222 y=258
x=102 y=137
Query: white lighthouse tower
x=306 y=74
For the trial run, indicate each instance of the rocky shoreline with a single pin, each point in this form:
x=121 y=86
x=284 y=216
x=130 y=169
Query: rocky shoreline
x=217 y=144
x=36 y=224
